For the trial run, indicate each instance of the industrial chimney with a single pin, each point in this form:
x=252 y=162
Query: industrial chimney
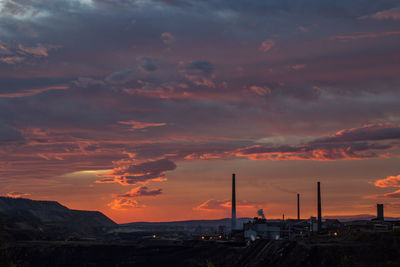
x=319 y=207
x=233 y=202
x=379 y=211
x=298 y=207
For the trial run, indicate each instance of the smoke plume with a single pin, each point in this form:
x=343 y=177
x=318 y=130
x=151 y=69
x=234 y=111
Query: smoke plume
x=260 y=212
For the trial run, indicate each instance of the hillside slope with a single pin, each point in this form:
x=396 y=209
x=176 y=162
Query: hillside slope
x=26 y=218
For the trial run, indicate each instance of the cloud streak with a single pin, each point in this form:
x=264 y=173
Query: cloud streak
x=358 y=36
x=141 y=191
x=390 y=14
x=137 y=125
x=31 y=92
x=215 y=205
x=392 y=195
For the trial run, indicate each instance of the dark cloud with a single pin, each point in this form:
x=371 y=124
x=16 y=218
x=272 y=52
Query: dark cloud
x=329 y=8
x=142 y=191
x=147 y=63
x=120 y=77
x=117 y=3
x=175 y=2
x=345 y=144
x=370 y=132
x=9 y=134
x=141 y=173
x=314 y=152
x=199 y=67
x=200 y=73
x=152 y=169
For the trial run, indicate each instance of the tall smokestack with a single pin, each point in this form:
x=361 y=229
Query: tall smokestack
x=233 y=202
x=298 y=207
x=379 y=211
x=319 y=207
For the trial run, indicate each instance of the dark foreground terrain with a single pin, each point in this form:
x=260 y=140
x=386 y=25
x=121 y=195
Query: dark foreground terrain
x=45 y=233
x=381 y=249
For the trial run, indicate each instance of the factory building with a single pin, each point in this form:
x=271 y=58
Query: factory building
x=260 y=228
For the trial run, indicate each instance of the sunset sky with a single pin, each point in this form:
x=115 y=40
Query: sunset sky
x=143 y=109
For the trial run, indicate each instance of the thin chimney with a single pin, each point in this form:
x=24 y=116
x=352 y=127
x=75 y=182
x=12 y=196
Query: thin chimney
x=319 y=207
x=298 y=207
x=233 y=202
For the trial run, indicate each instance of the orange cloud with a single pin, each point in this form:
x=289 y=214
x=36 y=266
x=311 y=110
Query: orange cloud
x=124 y=204
x=15 y=194
x=390 y=181
x=213 y=205
x=392 y=195
x=136 y=125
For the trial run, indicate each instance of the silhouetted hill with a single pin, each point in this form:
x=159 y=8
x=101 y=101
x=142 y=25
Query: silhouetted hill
x=30 y=219
x=367 y=217
x=189 y=223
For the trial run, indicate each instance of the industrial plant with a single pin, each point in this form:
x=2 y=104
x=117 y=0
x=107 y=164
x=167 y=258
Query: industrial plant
x=249 y=230
x=291 y=229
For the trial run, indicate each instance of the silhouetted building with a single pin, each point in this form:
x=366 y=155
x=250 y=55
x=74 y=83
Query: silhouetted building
x=260 y=228
x=379 y=211
x=233 y=202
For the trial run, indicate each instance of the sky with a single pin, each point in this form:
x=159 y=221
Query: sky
x=143 y=109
